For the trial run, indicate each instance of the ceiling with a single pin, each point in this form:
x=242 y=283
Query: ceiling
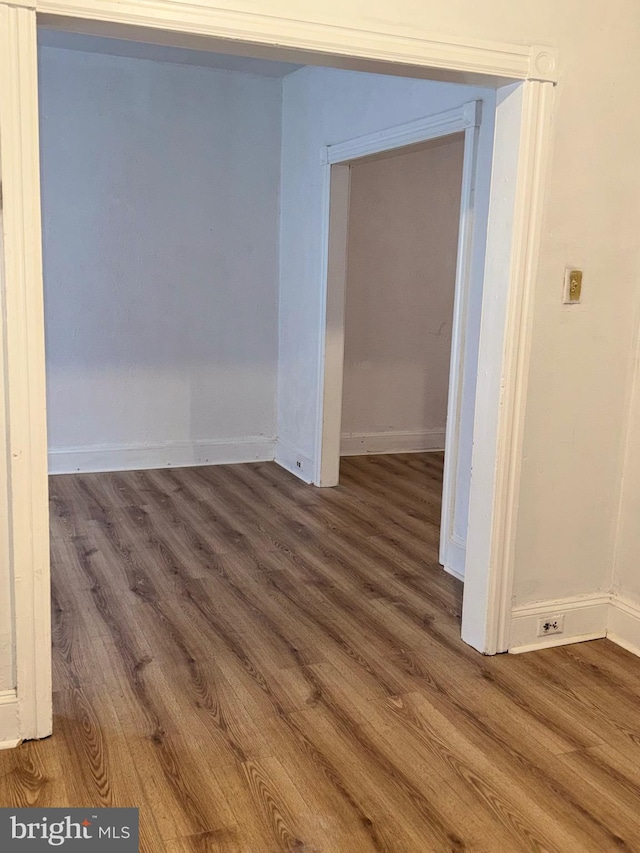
x=163 y=53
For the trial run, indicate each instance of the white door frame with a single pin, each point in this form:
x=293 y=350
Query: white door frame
x=336 y=161
x=522 y=119
x=25 y=709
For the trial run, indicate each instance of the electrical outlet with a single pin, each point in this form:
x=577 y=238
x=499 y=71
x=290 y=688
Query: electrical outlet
x=550 y=625
x=298 y=464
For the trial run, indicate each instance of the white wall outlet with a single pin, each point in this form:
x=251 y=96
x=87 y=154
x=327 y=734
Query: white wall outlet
x=551 y=625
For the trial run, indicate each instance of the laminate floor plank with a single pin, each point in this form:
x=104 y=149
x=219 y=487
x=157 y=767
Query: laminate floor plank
x=429 y=739
x=582 y=689
x=613 y=772
x=31 y=776
x=220 y=841
x=519 y=767
x=402 y=813
x=398 y=747
x=98 y=764
x=262 y=666
x=504 y=699
x=215 y=519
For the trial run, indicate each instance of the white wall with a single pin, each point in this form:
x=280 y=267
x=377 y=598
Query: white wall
x=322 y=107
x=160 y=187
x=402 y=252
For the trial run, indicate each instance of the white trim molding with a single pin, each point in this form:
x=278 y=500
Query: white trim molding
x=525 y=110
x=293 y=461
x=336 y=177
x=396 y=441
x=446 y=54
x=468 y=281
x=544 y=63
x=585 y=618
x=623 y=623
x=23 y=383
x=422 y=130
x=174 y=454
x=535 y=133
x=456 y=573
x=9 y=719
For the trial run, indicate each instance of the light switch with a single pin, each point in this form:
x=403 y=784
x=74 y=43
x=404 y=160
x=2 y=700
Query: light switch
x=572 y=287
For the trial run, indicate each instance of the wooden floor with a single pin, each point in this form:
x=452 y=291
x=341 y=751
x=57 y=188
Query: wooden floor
x=264 y=666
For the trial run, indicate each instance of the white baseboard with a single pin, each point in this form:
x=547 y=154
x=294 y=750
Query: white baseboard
x=178 y=454
x=452 y=556
x=361 y=443
x=290 y=458
x=623 y=626
x=9 y=720
x=585 y=618
x=454 y=572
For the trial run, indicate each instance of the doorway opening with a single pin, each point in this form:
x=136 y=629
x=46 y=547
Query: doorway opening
x=406 y=237
x=523 y=111
x=403 y=224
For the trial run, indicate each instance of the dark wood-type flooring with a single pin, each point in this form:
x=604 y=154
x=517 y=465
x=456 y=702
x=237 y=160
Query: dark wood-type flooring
x=263 y=666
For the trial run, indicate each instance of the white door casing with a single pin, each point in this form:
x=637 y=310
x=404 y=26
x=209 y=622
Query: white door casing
x=25 y=710
x=336 y=179
x=522 y=132
x=463 y=367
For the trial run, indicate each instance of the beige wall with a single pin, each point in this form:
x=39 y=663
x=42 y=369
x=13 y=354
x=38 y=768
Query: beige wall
x=403 y=232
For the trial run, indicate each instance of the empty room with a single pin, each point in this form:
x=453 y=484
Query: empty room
x=290 y=561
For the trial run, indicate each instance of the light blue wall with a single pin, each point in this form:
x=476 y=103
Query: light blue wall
x=160 y=187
